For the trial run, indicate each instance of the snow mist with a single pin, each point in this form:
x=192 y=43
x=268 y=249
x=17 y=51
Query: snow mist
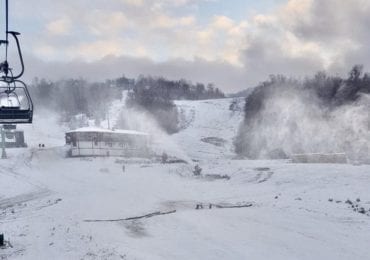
x=142 y=121
x=290 y=119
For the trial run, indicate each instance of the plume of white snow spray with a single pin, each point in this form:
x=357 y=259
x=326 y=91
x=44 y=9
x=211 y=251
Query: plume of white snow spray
x=292 y=120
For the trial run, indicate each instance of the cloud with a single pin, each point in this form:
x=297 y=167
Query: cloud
x=164 y=29
x=223 y=75
x=102 y=23
x=138 y=3
x=60 y=26
x=298 y=38
x=305 y=36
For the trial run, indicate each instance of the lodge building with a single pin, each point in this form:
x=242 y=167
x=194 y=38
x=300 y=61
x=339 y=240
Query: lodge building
x=90 y=141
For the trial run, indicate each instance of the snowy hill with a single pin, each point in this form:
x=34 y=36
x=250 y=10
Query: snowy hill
x=208 y=128
x=298 y=211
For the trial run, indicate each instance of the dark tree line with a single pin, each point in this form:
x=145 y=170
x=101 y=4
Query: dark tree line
x=178 y=89
x=74 y=96
x=330 y=92
x=336 y=91
x=156 y=95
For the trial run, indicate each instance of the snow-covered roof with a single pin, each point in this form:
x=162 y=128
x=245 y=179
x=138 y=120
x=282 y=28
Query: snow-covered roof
x=108 y=131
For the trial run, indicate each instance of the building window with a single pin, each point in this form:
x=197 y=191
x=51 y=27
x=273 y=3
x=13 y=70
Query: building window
x=74 y=141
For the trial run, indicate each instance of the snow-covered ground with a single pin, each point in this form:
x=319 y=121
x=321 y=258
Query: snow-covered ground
x=298 y=211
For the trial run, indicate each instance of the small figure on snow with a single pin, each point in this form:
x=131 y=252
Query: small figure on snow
x=2 y=241
x=199 y=206
x=164 y=157
x=197 y=170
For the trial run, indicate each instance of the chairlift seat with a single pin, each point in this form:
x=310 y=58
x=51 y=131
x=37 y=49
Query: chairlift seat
x=22 y=111
x=14 y=113
x=15 y=116
x=10 y=108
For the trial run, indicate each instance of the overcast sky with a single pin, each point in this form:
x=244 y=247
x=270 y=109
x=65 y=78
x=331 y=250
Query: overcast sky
x=232 y=43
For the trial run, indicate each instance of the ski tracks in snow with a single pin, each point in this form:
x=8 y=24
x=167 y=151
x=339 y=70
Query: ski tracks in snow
x=23 y=198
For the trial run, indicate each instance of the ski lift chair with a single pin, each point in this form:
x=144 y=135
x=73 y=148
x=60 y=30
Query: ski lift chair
x=16 y=106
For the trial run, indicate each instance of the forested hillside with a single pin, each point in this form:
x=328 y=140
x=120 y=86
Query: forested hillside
x=324 y=113
x=155 y=95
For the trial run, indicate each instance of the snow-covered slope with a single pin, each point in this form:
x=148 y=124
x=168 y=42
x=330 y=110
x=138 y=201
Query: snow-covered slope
x=298 y=211
x=208 y=128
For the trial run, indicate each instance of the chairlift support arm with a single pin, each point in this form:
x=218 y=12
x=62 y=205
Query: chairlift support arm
x=4 y=66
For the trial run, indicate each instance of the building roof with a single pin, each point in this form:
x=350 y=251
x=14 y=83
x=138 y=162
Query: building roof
x=107 y=131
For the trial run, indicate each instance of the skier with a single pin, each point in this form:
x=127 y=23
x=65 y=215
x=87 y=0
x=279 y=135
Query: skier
x=164 y=157
x=197 y=170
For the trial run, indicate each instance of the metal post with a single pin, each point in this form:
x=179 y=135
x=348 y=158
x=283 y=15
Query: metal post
x=6 y=28
x=108 y=119
x=3 y=153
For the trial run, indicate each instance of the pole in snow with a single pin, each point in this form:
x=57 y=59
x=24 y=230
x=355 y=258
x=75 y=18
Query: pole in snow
x=3 y=153
x=108 y=119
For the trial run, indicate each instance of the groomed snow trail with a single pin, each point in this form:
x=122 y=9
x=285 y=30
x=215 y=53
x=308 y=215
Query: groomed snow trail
x=209 y=127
